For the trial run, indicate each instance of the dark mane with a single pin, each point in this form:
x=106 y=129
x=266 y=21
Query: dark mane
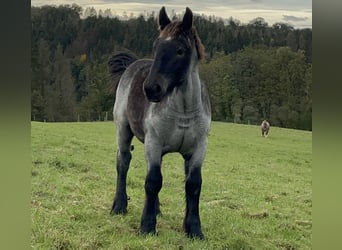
x=175 y=29
x=117 y=64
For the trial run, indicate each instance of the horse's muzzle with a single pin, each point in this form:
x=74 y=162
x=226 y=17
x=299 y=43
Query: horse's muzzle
x=153 y=92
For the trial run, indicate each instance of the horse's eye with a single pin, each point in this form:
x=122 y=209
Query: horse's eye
x=180 y=52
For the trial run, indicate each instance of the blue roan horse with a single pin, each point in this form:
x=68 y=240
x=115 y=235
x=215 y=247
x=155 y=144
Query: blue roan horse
x=165 y=105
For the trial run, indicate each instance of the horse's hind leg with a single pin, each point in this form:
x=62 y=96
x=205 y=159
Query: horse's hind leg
x=123 y=158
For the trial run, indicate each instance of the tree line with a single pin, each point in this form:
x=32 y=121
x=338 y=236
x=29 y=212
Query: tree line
x=253 y=71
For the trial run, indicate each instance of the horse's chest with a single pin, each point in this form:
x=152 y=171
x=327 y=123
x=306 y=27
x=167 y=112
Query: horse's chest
x=183 y=123
x=176 y=131
x=182 y=133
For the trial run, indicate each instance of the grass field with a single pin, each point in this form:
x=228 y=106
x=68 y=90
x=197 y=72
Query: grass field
x=256 y=192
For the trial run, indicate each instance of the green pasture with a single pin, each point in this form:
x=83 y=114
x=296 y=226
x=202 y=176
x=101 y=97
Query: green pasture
x=256 y=192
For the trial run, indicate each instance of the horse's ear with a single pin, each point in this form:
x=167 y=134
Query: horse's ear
x=187 y=20
x=163 y=19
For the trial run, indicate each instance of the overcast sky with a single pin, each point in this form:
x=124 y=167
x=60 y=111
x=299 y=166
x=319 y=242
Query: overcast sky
x=297 y=13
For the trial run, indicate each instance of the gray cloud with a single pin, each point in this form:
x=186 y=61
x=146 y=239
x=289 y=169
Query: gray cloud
x=297 y=11
x=294 y=18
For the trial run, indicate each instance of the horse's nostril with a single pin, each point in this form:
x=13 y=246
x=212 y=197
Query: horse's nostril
x=156 y=89
x=153 y=92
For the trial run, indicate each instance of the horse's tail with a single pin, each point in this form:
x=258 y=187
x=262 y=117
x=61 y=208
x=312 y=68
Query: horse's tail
x=117 y=64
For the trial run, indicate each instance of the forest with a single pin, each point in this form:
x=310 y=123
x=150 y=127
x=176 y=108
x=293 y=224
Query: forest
x=253 y=71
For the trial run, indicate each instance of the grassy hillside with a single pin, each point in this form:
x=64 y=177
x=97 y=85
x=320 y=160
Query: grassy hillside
x=256 y=193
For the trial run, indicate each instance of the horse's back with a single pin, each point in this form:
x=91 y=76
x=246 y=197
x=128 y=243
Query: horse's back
x=137 y=70
x=131 y=103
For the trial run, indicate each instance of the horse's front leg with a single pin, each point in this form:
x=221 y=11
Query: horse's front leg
x=153 y=184
x=193 y=184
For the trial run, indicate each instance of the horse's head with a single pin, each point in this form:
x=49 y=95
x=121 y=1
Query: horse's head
x=177 y=48
x=265 y=125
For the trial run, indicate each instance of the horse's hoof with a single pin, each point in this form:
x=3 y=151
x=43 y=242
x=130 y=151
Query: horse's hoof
x=198 y=235
x=193 y=232
x=120 y=206
x=118 y=210
x=151 y=232
x=148 y=228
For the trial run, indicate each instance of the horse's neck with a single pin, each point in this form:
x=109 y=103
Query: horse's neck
x=192 y=92
x=187 y=98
